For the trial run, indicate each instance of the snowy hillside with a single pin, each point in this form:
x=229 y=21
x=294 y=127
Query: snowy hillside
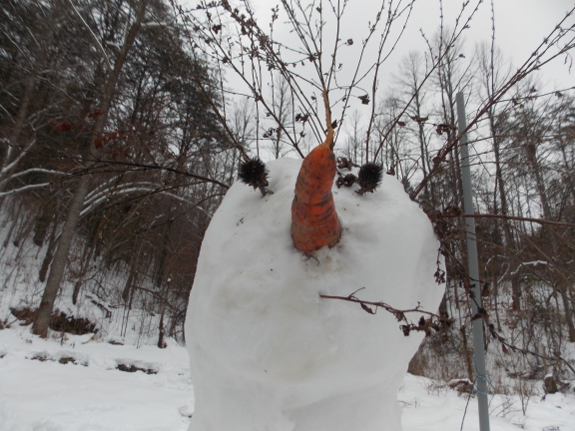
x=99 y=301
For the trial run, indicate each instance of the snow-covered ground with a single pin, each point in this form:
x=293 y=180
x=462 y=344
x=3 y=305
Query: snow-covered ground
x=39 y=392
x=46 y=395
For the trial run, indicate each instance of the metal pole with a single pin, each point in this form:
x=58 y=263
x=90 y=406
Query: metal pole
x=473 y=267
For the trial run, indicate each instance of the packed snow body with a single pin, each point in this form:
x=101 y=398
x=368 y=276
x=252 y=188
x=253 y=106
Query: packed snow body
x=267 y=352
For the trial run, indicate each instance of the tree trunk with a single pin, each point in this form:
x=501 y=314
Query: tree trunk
x=49 y=252
x=568 y=315
x=162 y=332
x=561 y=285
x=131 y=278
x=10 y=160
x=509 y=239
x=12 y=227
x=20 y=120
x=61 y=256
x=86 y=258
x=160 y=275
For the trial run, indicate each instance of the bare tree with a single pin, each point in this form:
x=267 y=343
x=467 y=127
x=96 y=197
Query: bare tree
x=68 y=230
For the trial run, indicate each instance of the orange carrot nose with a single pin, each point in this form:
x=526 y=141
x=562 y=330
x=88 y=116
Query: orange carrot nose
x=314 y=219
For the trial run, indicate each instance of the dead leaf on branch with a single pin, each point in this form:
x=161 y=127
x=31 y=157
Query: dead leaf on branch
x=364 y=99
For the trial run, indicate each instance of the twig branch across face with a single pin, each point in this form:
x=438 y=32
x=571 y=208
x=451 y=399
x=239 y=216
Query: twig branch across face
x=438 y=323
x=434 y=321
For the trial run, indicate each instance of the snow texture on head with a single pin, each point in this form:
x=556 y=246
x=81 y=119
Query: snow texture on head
x=267 y=353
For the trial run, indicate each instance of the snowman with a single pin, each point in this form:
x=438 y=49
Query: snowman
x=267 y=351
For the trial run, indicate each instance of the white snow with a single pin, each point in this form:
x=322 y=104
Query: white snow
x=266 y=351
x=37 y=392
x=49 y=396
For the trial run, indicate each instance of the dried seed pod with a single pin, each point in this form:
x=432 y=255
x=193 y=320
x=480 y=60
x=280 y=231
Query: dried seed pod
x=369 y=177
x=347 y=180
x=253 y=172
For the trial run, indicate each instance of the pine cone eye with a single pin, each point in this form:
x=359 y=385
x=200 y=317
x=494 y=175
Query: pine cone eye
x=253 y=172
x=369 y=177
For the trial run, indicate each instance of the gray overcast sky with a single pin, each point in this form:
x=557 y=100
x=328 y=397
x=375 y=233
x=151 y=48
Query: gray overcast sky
x=521 y=26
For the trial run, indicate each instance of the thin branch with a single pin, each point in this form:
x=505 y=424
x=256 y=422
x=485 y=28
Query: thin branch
x=542 y=222
x=399 y=314
x=93 y=36
x=24 y=188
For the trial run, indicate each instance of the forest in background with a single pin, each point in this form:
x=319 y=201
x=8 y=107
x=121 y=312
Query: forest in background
x=120 y=136
x=155 y=160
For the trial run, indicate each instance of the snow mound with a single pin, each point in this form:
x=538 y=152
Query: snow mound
x=267 y=353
